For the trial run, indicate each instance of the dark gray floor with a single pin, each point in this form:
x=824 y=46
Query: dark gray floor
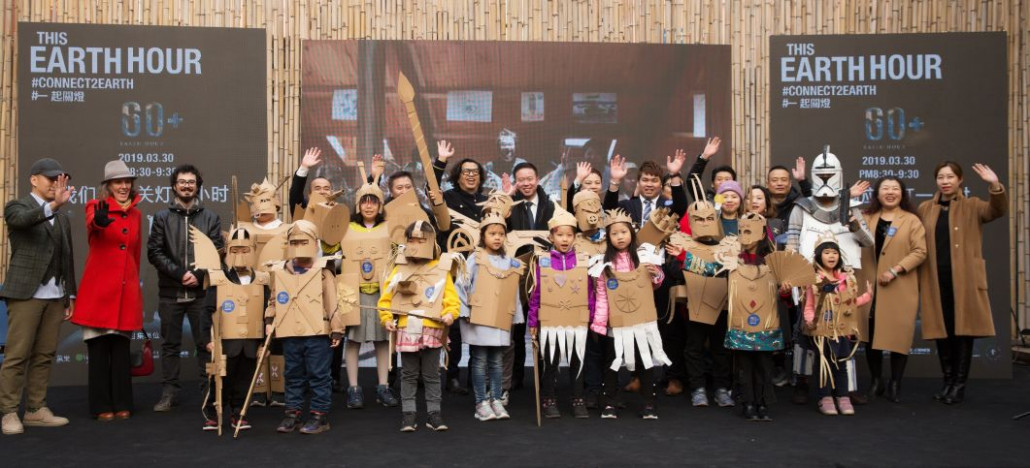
x=918 y=432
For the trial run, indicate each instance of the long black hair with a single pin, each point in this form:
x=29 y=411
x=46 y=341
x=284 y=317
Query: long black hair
x=874 y=204
x=356 y=216
x=610 y=252
x=819 y=256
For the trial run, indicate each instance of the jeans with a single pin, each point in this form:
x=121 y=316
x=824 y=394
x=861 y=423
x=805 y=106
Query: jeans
x=172 y=314
x=307 y=368
x=836 y=352
x=487 y=361
x=424 y=363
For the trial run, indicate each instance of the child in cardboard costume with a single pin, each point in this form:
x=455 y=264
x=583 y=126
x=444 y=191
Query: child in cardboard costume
x=266 y=228
x=242 y=293
x=366 y=249
x=590 y=219
x=303 y=313
x=418 y=302
x=831 y=319
x=706 y=308
x=754 y=324
x=560 y=308
x=625 y=312
x=490 y=305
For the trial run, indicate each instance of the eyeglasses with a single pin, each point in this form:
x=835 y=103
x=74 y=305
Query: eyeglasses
x=188 y=183
x=470 y=172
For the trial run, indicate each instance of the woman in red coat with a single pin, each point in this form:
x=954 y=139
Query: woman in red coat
x=110 y=302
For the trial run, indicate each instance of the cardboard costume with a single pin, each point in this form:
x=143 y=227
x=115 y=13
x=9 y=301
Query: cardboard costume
x=564 y=306
x=303 y=304
x=331 y=218
x=365 y=256
x=706 y=295
x=661 y=224
x=493 y=299
x=631 y=309
x=401 y=212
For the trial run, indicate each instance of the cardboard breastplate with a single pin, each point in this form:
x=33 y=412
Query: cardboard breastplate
x=630 y=298
x=401 y=212
x=706 y=295
x=564 y=296
x=753 y=290
x=836 y=313
x=241 y=307
x=262 y=236
x=493 y=300
x=298 y=302
x=417 y=289
x=365 y=253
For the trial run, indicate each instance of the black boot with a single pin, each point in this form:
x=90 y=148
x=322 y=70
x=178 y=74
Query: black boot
x=963 y=360
x=290 y=422
x=898 y=362
x=762 y=413
x=945 y=355
x=874 y=358
x=800 y=395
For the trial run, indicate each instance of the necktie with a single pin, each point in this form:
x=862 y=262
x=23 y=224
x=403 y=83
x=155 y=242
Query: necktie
x=532 y=216
x=647 y=212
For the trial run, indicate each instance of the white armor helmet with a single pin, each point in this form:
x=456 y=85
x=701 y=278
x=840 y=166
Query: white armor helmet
x=827 y=175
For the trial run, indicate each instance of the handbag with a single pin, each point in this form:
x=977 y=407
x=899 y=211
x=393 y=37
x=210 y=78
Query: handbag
x=142 y=360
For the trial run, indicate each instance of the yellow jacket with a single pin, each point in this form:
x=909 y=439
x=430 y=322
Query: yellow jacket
x=451 y=303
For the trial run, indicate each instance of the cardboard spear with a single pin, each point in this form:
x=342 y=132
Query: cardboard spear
x=407 y=94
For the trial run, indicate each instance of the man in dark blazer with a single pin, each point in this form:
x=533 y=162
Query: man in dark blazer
x=531 y=214
x=649 y=184
x=40 y=292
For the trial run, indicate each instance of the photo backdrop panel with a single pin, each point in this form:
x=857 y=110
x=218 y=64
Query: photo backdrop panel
x=155 y=97
x=897 y=105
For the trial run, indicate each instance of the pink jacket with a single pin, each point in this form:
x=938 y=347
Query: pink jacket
x=623 y=263
x=841 y=284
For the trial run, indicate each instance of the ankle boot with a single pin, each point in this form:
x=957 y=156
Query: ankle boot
x=875 y=387
x=944 y=354
x=749 y=412
x=874 y=358
x=893 y=391
x=962 y=364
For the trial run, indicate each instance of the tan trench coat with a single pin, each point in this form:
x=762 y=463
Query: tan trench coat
x=898 y=302
x=969 y=274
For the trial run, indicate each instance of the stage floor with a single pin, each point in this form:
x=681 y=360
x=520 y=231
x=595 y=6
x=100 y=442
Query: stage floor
x=918 y=432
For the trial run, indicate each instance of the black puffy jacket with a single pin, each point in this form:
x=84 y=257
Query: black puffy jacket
x=170 y=251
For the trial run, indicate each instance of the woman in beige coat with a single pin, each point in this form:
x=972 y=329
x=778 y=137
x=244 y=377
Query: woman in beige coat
x=953 y=281
x=889 y=322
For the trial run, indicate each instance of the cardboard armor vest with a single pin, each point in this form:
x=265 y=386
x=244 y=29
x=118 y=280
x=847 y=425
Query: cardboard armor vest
x=630 y=297
x=365 y=253
x=706 y=295
x=493 y=302
x=836 y=313
x=752 y=305
x=402 y=211
x=242 y=306
x=564 y=297
x=417 y=288
x=298 y=301
x=588 y=247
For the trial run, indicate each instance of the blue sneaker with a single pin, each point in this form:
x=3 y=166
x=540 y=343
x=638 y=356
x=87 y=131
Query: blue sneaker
x=355 y=398
x=384 y=396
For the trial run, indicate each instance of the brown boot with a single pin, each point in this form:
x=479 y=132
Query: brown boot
x=633 y=385
x=674 y=387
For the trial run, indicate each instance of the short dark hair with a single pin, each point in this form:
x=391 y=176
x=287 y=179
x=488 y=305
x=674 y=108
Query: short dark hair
x=185 y=169
x=524 y=165
x=777 y=167
x=455 y=173
x=399 y=175
x=650 y=168
x=718 y=169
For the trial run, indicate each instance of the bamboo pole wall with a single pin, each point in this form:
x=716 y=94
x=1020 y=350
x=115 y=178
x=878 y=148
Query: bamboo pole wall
x=743 y=24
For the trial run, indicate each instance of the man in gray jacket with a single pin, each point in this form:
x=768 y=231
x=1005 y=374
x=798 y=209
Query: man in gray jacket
x=40 y=290
x=180 y=284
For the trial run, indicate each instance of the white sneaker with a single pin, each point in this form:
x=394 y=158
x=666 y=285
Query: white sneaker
x=12 y=425
x=484 y=412
x=499 y=410
x=504 y=398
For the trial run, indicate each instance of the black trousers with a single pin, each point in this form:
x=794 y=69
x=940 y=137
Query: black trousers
x=674 y=342
x=518 y=366
x=754 y=376
x=110 y=381
x=454 y=352
x=593 y=368
x=239 y=369
x=612 y=389
x=172 y=314
x=336 y=363
x=698 y=335
x=552 y=371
